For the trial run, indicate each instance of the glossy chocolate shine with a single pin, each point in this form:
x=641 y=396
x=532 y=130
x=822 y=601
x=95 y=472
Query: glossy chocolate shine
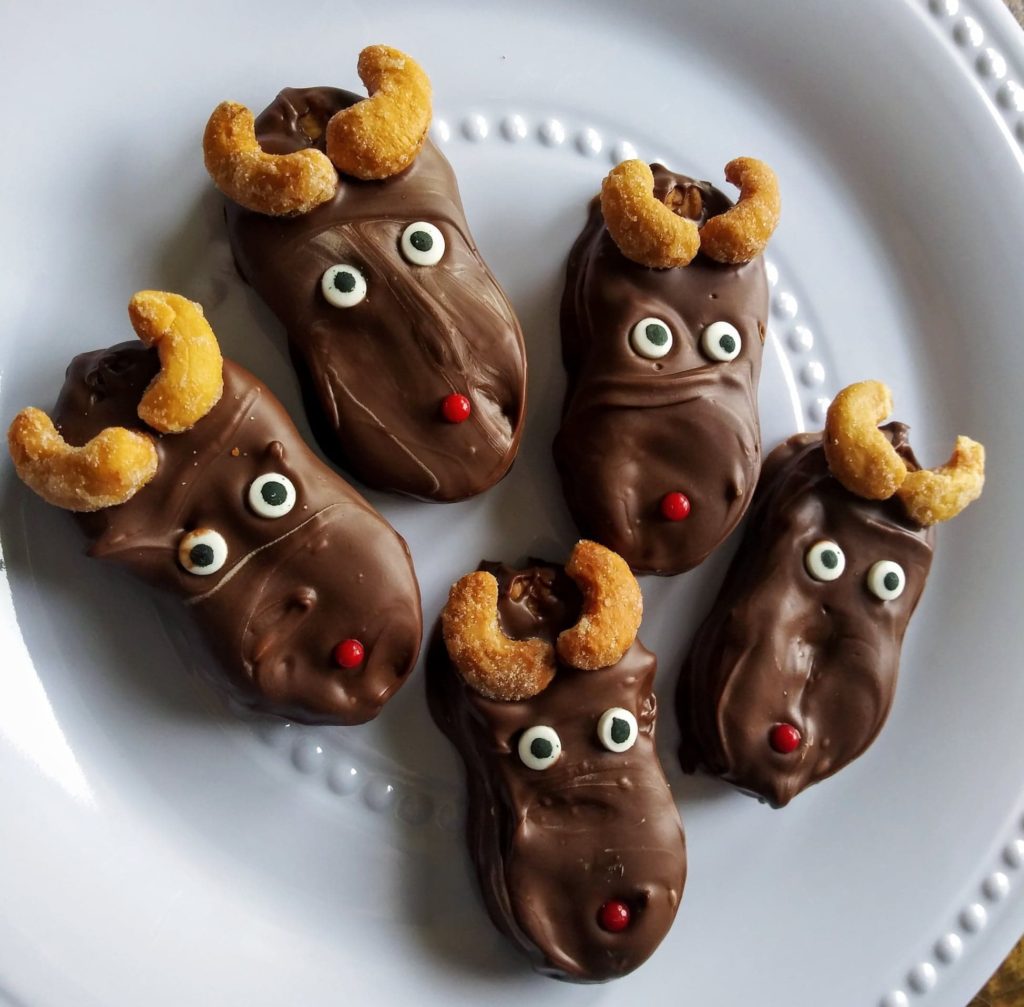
x=635 y=429
x=782 y=647
x=374 y=375
x=292 y=587
x=552 y=846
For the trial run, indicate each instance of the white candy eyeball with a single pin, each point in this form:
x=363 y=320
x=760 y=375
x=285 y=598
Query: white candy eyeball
x=721 y=341
x=202 y=551
x=343 y=286
x=422 y=244
x=886 y=580
x=539 y=747
x=617 y=729
x=825 y=561
x=651 y=338
x=271 y=495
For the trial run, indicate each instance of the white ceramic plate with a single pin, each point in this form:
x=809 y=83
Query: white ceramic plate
x=158 y=849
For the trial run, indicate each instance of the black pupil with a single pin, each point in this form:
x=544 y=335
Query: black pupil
x=891 y=580
x=620 y=730
x=274 y=493
x=421 y=241
x=541 y=748
x=345 y=281
x=727 y=343
x=201 y=554
x=829 y=559
x=657 y=334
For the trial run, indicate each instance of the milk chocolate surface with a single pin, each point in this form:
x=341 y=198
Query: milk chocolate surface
x=374 y=375
x=552 y=846
x=780 y=647
x=293 y=587
x=634 y=429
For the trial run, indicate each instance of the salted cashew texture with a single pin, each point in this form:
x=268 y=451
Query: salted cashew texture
x=650 y=233
x=612 y=608
x=742 y=232
x=490 y=662
x=277 y=185
x=107 y=471
x=191 y=377
x=644 y=228
x=934 y=495
x=859 y=454
x=861 y=457
x=112 y=467
x=381 y=136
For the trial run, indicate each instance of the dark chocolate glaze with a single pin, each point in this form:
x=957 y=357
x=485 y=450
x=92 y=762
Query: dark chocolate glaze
x=781 y=647
x=374 y=375
x=635 y=429
x=292 y=587
x=551 y=847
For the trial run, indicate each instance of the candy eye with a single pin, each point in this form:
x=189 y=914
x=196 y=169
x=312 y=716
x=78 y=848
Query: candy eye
x=202 y=551
x=721 y=341
x=825 y=561
x=422 y=244
x=343 y=285
x=651 y=338
x=617 y=729
x=886 y=580
x=539 y=747
x=271 y=495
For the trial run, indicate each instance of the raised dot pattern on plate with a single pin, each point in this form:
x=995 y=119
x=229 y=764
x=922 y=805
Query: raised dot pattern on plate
x=983 y=60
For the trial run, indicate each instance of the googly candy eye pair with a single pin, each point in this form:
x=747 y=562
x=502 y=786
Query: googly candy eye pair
x=826 y=561
x=540 y=747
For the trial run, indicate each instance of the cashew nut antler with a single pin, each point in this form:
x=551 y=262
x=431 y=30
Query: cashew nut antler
x=742 y=232
x=381 y=136
x=117 y=462
x=278 y=185
x=191 y=378
x=861 y=457
x=513 y=670
x=612 y=608
x=650 y=233
x=107 y=471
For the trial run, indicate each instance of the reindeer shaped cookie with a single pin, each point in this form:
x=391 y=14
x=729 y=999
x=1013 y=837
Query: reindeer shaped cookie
x=538 y=679
x=792 y=675
x=185 y=469
x=348 y=223
x=663 y=321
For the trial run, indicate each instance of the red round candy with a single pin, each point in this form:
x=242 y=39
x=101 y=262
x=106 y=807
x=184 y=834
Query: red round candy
x=675 y=506
x=614 y=916
x=456 y=408
x=349 y=653
x=785 y=738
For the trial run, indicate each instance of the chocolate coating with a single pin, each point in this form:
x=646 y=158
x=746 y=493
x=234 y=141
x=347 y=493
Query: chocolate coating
x=374 y=375
x=635 y=429
x=292 y=587
x=552 y=846
x=780 y=647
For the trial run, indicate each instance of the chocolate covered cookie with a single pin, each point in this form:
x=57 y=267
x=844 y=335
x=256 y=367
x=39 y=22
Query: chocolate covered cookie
x=185 y=469
x=537 y=677
x=663 y=322
x=347 y=221
x=793 y=672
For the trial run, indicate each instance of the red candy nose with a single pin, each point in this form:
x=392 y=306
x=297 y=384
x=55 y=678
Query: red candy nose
x=349 y=653
x=614 y=916
x=785 y=738
x=456 y=408
x=675 y=506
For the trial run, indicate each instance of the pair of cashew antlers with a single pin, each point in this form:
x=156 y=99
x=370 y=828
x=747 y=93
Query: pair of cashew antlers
x=511 y=670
